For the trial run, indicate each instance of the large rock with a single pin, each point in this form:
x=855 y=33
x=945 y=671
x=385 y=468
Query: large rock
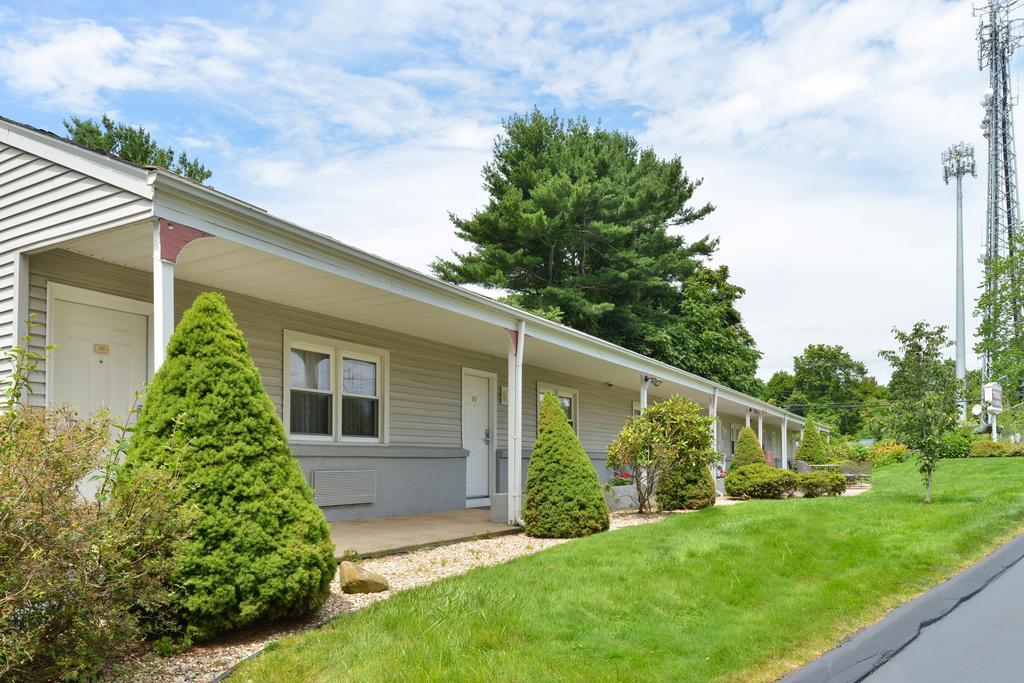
x=355 y=579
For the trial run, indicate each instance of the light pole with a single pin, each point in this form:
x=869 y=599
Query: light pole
x=958 y=161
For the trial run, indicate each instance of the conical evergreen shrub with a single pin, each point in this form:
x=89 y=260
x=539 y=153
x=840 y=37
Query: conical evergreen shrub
x=686 y=487
x=748 y=450
x=812 y=449
x=260 y=548
x=563 y=497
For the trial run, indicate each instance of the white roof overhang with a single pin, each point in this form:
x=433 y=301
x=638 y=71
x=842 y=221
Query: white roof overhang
x=270 y=258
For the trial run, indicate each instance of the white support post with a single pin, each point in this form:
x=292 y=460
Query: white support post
x=785 y=442
x=760 y=428
x=21 y=312
x=644 y=384
x=747 y=417
x=995 y=431
x=515 y=423
x=713 y=412
x=163 y=301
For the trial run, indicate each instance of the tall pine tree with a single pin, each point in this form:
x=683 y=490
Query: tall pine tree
x=582 y=225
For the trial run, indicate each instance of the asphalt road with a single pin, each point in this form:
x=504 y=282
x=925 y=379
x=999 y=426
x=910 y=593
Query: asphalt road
x=970 y=628
x=981 y=640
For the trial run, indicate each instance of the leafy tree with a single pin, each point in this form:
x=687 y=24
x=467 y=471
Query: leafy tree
x=669 y=437
x=581 y=226
x=260 y=547
x=779 y=389
x=134 y=144
x=1001 y=330
x=812 y=449
x=924 y=393
x=563 y=496
x=748 y=450
x=875 y=411
x=829 y=383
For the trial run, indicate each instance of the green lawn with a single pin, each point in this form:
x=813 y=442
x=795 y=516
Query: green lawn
x=738 y=593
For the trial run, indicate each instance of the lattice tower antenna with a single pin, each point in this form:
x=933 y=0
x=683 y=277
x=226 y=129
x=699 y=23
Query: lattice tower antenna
x=999 y=36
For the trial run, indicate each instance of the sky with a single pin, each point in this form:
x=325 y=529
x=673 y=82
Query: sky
x=817 y=127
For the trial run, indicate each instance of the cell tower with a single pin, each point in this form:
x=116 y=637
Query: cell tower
x=998 y=37
x=958 y=161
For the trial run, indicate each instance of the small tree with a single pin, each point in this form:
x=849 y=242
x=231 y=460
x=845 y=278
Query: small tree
x=260 y=548
x=563 y=496
x=813 y=449
x=670 y=435
x=748 y=450
x=924 y=389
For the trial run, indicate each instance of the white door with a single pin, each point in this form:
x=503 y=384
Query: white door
x=476 y=433
x=99 y=361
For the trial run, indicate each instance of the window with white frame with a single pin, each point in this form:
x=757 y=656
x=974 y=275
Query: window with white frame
x=637 y=410
x=335 y=390
x=568 y=398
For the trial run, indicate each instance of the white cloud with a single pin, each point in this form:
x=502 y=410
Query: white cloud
x=817 y=127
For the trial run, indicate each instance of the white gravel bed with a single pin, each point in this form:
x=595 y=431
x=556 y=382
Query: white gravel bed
x=408 y=570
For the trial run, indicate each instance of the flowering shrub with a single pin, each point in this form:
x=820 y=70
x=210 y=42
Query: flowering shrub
x=621 y=478
x=887 y=452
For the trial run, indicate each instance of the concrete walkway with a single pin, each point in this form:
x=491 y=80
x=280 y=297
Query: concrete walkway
x=387 y=535
x=966 y=629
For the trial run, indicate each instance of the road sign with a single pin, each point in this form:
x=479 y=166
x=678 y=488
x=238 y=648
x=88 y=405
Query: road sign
x=993 y=394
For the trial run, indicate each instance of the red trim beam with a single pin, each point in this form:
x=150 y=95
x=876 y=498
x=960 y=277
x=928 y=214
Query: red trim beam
x=174 y=237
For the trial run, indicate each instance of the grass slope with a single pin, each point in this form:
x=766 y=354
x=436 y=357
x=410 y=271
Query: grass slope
x=745 y=592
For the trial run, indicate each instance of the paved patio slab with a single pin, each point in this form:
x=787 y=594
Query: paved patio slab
x=388 y=535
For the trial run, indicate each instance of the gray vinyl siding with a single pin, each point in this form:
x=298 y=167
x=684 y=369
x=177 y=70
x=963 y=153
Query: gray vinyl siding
x=41 y=202
x=425 y=389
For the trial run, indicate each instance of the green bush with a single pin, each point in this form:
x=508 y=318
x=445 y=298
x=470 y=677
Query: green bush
x=80 y=583
x=563 y=497
x=842 y=450
x=687 y=486
x=812 y=449
x=821 y=483
x=748 y=450
x=668 y=435
x=986 y=448
x=1015 y=450
x=955 y=445
x=760 y=481
x=260 y=548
